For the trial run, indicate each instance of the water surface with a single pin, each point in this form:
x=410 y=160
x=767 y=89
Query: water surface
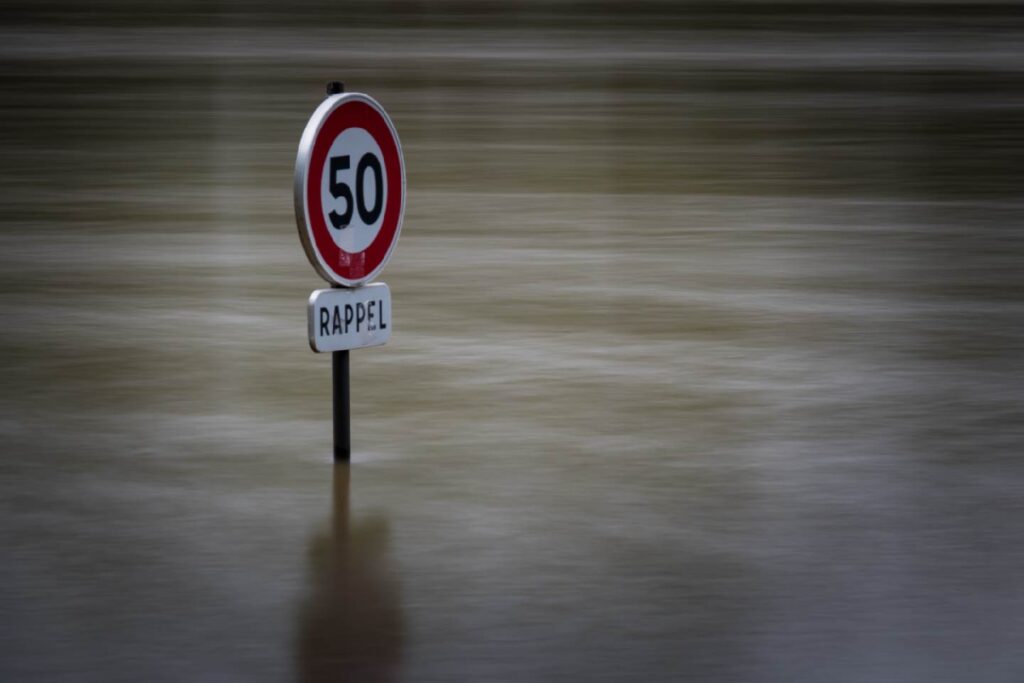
x=709 y=332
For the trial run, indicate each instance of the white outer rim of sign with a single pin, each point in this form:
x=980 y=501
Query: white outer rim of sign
x=309 y=135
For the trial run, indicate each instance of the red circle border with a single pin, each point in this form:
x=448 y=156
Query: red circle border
x=359 y=265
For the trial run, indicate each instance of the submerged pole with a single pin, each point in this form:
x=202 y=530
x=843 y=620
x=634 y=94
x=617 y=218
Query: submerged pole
x=340 y=393
x=339 y=373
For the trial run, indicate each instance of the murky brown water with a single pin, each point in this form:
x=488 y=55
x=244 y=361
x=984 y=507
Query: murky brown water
x=707 y=359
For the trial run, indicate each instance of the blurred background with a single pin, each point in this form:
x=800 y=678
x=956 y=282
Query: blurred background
x=706 y=365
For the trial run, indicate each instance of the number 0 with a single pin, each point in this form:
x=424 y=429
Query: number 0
x=369 y=216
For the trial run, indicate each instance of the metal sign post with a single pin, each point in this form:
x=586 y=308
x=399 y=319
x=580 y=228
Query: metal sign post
x=349 y=204
x=340 y=395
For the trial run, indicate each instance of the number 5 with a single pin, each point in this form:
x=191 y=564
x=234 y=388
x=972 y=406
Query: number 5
x=340 y=190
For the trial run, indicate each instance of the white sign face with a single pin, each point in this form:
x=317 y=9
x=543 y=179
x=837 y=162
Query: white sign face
x=343 y=319
x=356 y=166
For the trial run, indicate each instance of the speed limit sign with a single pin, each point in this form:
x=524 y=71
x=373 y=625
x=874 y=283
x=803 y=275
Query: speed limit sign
x=349 y=189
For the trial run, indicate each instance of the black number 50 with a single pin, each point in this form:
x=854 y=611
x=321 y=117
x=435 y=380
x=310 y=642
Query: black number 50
x=342 y=191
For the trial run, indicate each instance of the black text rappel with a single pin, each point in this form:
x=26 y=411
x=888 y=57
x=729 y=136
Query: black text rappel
x=364 y=317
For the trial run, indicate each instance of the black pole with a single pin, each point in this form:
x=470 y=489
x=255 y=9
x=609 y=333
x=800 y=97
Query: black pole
x=339 y=373
x=342 y=430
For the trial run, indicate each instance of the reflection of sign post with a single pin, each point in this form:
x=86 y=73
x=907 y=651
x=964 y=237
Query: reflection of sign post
x=349 y=203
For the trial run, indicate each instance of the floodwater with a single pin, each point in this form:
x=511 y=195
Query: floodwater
x=706 y=364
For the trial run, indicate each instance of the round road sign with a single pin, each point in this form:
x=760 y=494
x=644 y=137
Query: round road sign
x=349 y=189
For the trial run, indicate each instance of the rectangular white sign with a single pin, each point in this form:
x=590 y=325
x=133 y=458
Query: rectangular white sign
x=342 y=319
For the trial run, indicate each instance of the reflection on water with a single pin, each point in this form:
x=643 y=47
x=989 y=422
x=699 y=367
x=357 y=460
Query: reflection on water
x=351 y=622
